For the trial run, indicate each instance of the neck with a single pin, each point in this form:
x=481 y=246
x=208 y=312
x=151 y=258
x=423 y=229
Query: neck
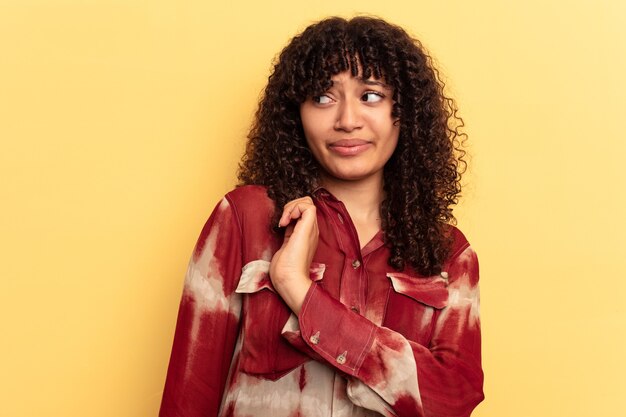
x=361 y=198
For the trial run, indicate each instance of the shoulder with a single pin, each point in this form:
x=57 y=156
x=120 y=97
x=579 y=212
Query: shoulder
x=249 y=195
x=459 y=242
x=251 y=204
x=462 y=259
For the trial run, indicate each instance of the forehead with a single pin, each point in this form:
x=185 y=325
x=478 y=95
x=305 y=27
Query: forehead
x=319 y=69
x=346 y=77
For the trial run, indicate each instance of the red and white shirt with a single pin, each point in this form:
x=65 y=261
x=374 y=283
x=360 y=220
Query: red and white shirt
x=368 y=341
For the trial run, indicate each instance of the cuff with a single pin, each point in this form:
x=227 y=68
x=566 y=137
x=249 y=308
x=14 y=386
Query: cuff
x=337 y=334
x=291 y=333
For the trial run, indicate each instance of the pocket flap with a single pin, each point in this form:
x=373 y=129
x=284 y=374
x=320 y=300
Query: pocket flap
x=255 y=276
x=432 y=291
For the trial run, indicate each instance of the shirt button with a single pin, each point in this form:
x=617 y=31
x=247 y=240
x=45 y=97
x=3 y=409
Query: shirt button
x=356 y=264
x=341 y=359
x=355 y=309
x=315 y=339
x=444 y=274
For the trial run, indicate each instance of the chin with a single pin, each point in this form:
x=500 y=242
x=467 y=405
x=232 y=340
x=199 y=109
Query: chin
x=350 y=176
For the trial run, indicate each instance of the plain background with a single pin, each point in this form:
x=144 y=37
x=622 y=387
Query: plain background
x=121 y=126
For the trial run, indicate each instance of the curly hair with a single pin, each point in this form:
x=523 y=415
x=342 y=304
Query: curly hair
x=422 y=177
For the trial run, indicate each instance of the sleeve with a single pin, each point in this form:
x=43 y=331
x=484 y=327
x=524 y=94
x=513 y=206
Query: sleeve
x=208 y=321
x=392 y=375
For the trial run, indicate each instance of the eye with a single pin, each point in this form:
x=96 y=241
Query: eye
x=323 y=99
x=372 y=97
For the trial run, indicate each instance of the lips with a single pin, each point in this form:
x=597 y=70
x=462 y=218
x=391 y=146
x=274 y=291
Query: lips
x=349 y=147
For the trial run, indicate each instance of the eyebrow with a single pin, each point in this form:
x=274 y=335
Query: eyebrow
x=373 y=82
x=367 y=82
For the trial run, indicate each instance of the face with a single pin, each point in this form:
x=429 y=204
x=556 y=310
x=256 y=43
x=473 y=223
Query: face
x=349 y=128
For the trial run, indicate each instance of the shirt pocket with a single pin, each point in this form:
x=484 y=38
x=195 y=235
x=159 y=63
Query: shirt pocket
x=414 y=304
x=264 y=352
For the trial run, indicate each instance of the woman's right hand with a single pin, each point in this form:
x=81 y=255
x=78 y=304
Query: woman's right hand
x=289 y=269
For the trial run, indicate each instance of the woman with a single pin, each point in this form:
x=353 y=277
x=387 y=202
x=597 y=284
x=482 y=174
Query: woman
x=330 y=283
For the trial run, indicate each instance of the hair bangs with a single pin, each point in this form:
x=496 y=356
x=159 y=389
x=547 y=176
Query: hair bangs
x=343 y=49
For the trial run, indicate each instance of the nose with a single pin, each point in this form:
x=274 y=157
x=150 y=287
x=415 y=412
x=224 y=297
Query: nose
x=348 y=116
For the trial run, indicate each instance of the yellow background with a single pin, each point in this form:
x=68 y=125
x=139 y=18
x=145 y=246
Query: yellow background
x=121 y=125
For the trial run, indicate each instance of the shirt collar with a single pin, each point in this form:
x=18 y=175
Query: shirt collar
x=377 y=241
x=322 y=193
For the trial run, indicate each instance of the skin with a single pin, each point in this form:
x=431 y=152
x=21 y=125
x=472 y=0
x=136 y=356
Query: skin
x=352 y=135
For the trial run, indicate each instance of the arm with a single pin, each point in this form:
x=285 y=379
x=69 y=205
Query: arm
x=208 y=321
x=387 y=373
x=395 y=376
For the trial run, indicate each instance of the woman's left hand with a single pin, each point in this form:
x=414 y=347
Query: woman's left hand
x=289 y=269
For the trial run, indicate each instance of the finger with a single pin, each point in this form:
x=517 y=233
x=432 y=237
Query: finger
x=307 y=220
x=294 y=212
x=301 y=235
x=293 y=203
x=288 y=232
x=294 y=209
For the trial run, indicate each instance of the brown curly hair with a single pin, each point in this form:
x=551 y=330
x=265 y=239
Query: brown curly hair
x=422 y=178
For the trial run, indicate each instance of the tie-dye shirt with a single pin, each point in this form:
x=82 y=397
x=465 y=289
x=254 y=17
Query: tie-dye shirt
x=368 y=340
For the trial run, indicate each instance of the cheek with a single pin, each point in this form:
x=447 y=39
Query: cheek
x=313 y=142
x=383 y=123
x=311 y=126
x=391 y=149
x=392 y=137
x=391 y=144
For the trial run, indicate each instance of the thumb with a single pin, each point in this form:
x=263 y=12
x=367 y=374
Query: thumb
x=288 y=232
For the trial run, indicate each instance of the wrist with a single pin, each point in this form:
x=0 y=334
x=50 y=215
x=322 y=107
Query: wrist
x=294 y=292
